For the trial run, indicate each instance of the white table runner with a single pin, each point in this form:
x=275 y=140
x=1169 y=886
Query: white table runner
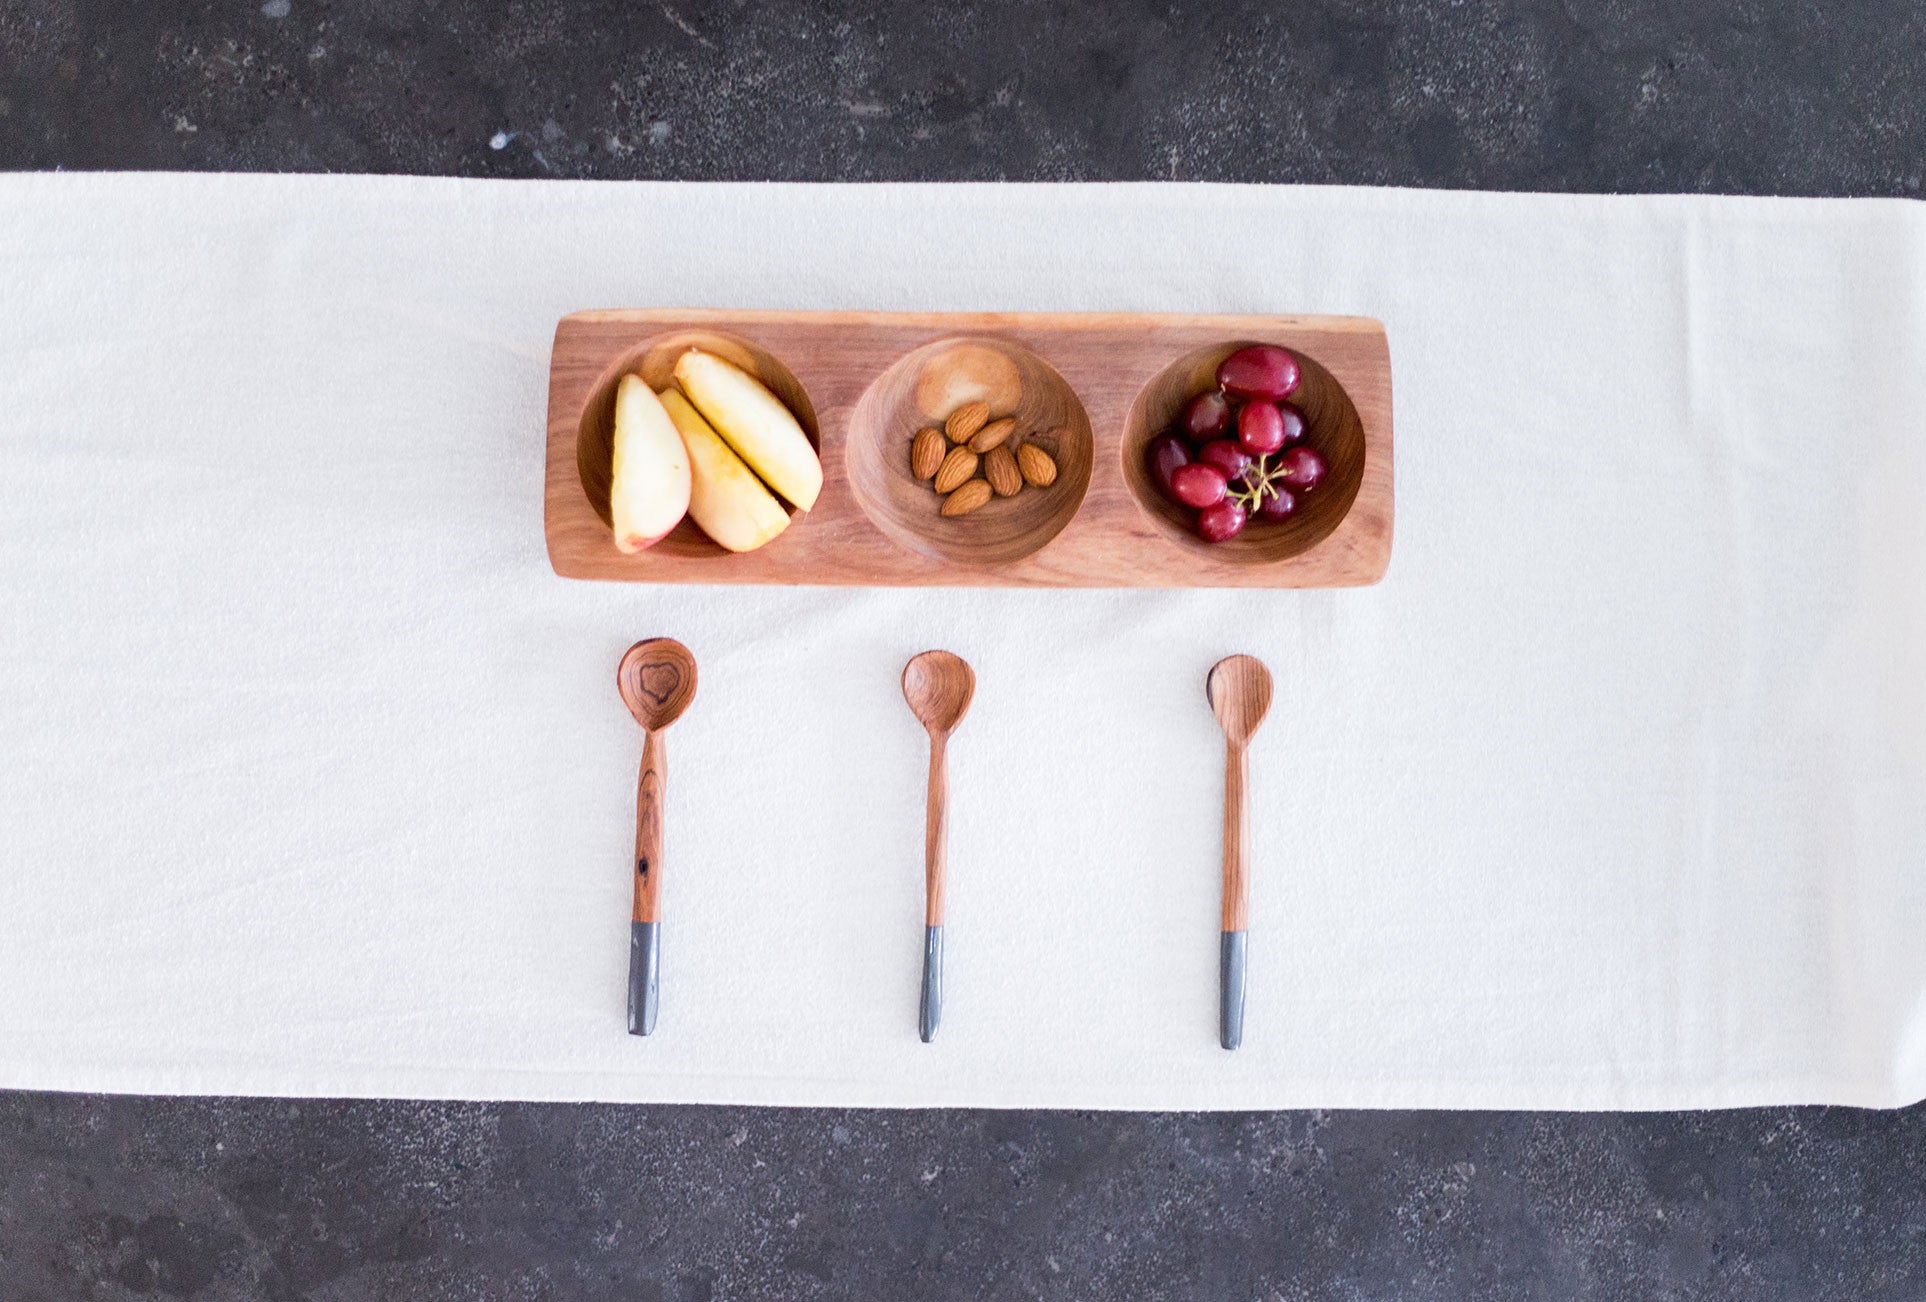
x=1613 y=794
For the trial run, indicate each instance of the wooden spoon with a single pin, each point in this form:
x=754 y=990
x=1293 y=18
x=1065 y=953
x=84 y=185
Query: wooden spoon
x=657 y=679
x=1239 y=688
x=938 y=687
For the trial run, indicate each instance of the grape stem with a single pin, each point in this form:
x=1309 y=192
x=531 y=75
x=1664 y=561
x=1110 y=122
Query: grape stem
x=1260 y=480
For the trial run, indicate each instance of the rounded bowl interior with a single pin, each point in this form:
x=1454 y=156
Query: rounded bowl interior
x=920 y=390
x=654 y=360
x=1332 y=426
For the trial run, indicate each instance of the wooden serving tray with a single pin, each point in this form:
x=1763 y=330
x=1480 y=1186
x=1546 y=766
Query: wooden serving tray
x=1091 y=389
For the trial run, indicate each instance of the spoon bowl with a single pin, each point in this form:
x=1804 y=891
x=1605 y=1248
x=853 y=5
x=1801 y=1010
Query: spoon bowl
x=1239 y=688
x=657 y=679
x=938 y=686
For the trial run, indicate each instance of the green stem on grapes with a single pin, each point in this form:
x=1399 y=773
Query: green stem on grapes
x=1259 y=480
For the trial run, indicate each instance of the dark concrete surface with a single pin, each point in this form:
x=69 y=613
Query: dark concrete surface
x=115 y=1198
x=218 y=1199
x=1807 y=98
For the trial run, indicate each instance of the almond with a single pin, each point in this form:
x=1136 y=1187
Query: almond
x=993 y=434
x=1000 y=468
x=967 y=498
x=966 y=420
x=926 y=452
x=1036 y=465
x=958 y=466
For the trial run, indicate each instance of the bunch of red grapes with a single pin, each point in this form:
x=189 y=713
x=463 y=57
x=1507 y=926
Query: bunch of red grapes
x=1236 y=451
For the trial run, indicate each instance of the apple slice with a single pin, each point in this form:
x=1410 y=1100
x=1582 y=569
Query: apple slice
x=649 y=484
x=727 y=500
x=755 y=423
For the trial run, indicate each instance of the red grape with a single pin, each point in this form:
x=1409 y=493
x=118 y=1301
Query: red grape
x=1302 y=468
x=1260 y=428
x=1277 y=504
x=1260 y=371
x=1220 y=522
x=1199 y=485
x=1293 y=422
x=1164 y=456
x=1226 y=456
x=1205 y=416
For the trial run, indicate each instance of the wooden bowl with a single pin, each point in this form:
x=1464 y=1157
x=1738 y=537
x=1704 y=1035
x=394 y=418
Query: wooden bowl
x=921 y=389
x=1109 y=374
x=1332 y=426
x=654 y=360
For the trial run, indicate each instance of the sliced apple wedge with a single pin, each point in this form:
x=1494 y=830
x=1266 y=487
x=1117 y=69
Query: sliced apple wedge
x=650 y=481
x=726 y=498
x=754 y=422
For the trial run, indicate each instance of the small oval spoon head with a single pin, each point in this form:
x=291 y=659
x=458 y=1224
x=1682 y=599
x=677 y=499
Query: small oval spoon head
x=938 y=686
x=657 y=679
x=1239 y=688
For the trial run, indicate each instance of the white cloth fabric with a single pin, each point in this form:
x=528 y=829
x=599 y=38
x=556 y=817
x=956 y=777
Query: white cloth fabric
x=1611 y=795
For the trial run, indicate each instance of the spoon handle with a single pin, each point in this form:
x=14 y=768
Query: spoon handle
x=1237 y=853
x=644 y=922
x=935 y=856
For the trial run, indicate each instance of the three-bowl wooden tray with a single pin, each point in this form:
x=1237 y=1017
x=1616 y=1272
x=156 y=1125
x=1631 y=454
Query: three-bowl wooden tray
x=1092 y=389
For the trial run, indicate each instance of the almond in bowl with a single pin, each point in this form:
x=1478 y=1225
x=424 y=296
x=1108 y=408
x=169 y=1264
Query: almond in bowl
x=971 y=450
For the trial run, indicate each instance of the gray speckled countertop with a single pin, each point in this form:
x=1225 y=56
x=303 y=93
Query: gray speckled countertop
x=112 y=1198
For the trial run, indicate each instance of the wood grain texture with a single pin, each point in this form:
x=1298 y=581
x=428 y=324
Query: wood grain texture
x=936 y=831
x=1091 y=388
x=1239 y=691
x=649 y=795
x=1237 y=840
x=657 y=680
x=939 y=687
